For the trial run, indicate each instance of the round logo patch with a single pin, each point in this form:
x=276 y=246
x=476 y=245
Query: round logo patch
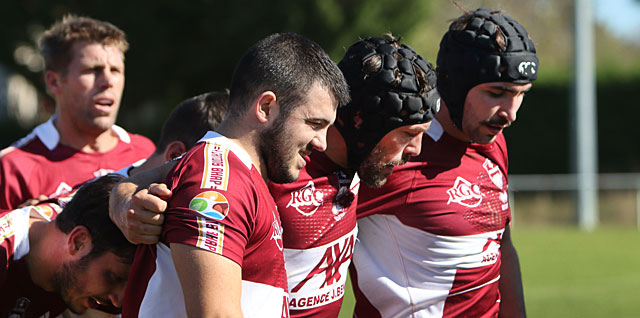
x=210 y=204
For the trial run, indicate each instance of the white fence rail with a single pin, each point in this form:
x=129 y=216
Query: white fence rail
x=569 y=182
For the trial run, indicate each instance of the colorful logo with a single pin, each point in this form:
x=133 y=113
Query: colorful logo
x=210 y=204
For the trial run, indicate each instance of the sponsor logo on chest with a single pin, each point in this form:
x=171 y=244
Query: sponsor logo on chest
x=324 y=283
x=307 y=199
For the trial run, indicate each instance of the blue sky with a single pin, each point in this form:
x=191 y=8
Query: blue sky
x=622 y=17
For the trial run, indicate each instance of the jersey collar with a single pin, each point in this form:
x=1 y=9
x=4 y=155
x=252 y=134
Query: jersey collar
x=50 y=137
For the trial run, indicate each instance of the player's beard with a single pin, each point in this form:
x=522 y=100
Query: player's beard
x=65 y=280
x=371 y=170
x=278 y=153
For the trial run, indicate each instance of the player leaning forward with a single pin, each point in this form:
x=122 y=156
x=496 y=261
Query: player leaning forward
x=435 y=240
x=393 y=99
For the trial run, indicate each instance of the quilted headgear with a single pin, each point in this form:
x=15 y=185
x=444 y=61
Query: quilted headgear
x=470 y=55
x=391 y=86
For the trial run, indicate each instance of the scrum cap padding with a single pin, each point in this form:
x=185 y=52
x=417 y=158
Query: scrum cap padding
x=471 y=55
x=391 y=86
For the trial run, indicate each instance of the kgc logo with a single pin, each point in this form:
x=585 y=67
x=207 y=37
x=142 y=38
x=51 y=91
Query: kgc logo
x=307 y=199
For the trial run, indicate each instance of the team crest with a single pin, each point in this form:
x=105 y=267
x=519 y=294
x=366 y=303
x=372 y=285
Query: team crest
x=210 y=204
x=465 y=193
x=307 y=199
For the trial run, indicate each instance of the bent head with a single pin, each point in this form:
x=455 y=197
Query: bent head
x=294 y=77
x=96 y=267
x=393 y=101
x=483 y=54
x=394 y=149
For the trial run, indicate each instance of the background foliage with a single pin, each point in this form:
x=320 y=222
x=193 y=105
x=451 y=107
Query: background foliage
x=182 y=49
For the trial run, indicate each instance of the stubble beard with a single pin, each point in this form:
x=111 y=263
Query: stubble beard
x=371 y=169
x=277 y=153
x=65 y=279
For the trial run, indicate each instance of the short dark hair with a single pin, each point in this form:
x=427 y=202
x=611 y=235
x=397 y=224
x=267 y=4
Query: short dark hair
x=89 y=207
x=287 y=64
x=192 y=118
x=58 y=40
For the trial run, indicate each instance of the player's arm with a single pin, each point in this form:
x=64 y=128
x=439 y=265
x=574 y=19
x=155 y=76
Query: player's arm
x=136 y=207
x=211 y=283
x=512 y=303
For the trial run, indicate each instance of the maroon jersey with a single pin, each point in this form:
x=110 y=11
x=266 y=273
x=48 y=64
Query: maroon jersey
x=221 y=204
x=38 y=164
x=15 y=280
x=319 y=232
x=429 y=241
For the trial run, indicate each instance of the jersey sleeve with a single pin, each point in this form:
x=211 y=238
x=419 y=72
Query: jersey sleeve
x=214 y=217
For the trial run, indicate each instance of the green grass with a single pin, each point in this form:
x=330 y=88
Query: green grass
x=570 y=273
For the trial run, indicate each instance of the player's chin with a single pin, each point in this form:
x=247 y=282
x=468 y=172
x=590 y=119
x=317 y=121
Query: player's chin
x=78 y=308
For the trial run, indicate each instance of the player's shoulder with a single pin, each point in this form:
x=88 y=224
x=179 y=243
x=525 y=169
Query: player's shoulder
x=141 y=141
x=21 y=158
x=136 y=140
x=220 y=164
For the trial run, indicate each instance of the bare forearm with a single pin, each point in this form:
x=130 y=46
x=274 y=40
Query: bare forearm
x=512 y=303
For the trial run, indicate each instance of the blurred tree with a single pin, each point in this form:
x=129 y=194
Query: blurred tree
x=182 y=49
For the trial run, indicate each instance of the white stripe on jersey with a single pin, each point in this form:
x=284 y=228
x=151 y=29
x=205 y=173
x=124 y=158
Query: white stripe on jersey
x=163 y=297
x=262 y=300
x=422 y=272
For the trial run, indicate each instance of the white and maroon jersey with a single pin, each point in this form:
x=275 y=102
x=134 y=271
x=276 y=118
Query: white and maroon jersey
x=38 y=164
x=319 y=233
x=429 y=241
x=221 y=204
x=15 y=280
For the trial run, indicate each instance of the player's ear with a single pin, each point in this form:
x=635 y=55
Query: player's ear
x=267 y=107
x=53 y=79
x=79 y=242
x=174 y=150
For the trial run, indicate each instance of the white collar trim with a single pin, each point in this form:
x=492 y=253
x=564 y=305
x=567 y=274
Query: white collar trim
x=242 y=154
x=435 y=131
x=50 y=137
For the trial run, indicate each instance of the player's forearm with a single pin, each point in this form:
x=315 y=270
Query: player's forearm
x=136 y=213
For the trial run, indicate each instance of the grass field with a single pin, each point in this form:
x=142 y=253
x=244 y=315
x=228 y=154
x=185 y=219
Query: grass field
x=570 y=273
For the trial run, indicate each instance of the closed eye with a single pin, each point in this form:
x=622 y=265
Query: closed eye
x=316 y=125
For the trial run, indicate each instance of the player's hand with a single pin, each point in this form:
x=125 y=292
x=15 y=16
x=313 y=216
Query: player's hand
x=139 y=215
x=34 y=201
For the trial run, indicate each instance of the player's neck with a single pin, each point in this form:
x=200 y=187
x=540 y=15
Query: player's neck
x=248 y=139
x=97 y=141
x=447 y=124
x=43 y=239
x=336 y=147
